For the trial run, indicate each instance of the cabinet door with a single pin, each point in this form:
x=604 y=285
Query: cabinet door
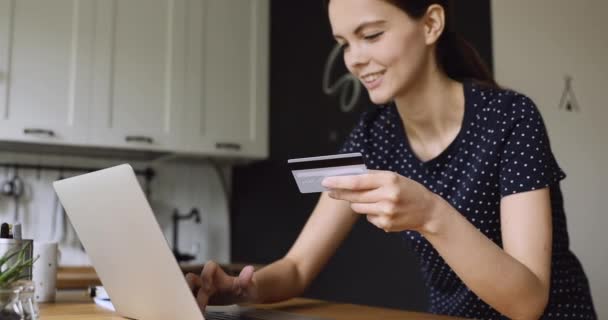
x=44 y=70
x=227 y=87
x=138 y=73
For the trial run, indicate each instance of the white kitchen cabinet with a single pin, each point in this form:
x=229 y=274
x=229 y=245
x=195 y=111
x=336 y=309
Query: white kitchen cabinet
x=182 y=76
x=138 y=73
x=44 y=70
x=226 y=107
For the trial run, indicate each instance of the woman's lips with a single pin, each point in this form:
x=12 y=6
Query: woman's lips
x=372 y=80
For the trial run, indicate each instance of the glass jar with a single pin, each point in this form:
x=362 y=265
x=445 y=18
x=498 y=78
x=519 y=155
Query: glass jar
x=27 y=300
x=10 y=307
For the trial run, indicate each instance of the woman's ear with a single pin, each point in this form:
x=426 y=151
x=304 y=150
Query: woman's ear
x=434 y=23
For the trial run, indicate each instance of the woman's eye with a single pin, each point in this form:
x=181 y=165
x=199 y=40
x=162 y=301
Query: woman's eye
x=344 y=46
x=373 y=36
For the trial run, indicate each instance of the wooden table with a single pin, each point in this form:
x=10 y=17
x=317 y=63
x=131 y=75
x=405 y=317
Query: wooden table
x=82 y=277
x=72 y=306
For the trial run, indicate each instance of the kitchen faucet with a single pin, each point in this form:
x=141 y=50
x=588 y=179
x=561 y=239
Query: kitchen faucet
x=176 y=217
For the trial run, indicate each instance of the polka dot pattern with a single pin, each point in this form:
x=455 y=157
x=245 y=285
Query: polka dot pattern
x=501 y=149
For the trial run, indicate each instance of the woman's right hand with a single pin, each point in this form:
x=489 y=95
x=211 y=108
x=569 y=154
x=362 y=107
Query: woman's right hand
x=215 y=287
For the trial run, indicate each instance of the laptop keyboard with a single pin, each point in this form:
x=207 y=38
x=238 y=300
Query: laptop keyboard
x=218 y=315
x=255 y=314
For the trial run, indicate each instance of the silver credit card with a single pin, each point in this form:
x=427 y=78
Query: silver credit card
x=310 y=172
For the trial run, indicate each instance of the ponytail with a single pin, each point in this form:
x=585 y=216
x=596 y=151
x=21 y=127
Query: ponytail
x=455 y=55
x=460 y=60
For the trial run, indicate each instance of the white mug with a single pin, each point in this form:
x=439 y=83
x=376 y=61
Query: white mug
x=44 y=270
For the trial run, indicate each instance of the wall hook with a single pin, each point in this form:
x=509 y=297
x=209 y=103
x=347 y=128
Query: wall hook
x=568 y=100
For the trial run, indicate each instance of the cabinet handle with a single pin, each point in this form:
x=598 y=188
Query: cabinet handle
x=36 y=131
x=228 y=146
x=143 y=139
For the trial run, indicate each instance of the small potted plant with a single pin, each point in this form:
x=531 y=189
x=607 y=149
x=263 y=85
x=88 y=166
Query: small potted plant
x=13 y=265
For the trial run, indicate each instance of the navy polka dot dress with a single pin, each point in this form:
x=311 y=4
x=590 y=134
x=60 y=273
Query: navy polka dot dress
x=502 y=148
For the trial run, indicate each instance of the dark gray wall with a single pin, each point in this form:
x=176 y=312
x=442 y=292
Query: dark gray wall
x=268 y=212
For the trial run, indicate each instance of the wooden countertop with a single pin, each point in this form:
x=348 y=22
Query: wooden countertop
x=85 y=276
x=74 y=304
x=78 y=307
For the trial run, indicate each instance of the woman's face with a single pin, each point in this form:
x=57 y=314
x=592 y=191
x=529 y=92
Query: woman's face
x=383 y=47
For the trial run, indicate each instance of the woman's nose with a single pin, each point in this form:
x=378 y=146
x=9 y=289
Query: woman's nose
x=356 y=57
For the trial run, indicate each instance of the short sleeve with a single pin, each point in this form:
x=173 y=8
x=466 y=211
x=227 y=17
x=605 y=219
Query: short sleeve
x=527 y=162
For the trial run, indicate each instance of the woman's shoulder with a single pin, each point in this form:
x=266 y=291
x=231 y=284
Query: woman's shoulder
x=501 y=104
x=497 y=97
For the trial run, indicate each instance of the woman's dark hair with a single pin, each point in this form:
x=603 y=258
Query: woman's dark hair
x=455 y=55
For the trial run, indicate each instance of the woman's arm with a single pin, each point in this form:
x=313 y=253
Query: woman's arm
x=328 y=225
x=514 y=279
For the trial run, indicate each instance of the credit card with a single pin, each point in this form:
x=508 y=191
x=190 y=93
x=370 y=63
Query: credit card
x=310 y=172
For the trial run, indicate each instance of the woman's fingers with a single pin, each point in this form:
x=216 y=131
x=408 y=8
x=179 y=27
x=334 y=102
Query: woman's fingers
x=208 y=273
x=356 y=196
x=355 y=182
x=214 y=276
x=371 y=180
x=374 y=186
x=202 y=298
x=380 y=221
x=382 y=208
x=217 y=287
x=201 y=291
x=207 y=284
x=245 y=277
x=194 y=282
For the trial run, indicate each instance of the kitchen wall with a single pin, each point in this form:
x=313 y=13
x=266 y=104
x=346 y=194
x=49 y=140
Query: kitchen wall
x=181 y=184
x=536 y=44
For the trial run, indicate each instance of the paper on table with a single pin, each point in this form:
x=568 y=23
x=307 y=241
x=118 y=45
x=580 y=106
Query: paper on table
x=104 y=303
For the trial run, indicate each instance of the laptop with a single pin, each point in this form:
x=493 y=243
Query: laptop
x=119 y=232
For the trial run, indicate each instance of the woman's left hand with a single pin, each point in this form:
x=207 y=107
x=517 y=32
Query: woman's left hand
x=390 y=201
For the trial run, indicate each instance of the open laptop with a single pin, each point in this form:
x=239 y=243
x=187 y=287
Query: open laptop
x=117 y=227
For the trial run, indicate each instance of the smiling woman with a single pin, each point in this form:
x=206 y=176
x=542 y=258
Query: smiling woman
x=462 y=169
x=495 y=243
x=452 y=53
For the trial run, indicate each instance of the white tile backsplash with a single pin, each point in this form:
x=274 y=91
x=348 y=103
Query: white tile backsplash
x=181 y=184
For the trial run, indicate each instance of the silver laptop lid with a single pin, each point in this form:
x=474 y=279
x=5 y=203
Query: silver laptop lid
x=117 y=227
